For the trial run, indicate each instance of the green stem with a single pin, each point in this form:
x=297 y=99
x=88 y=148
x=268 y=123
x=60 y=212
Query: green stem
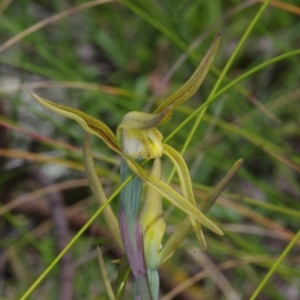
x=74 y=239
x=131 y=232
x=279 y=260
x=153 y=277
x=239 y=46
x=130 y=198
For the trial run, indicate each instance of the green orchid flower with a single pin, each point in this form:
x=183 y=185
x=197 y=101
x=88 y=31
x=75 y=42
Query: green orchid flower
x=138 y=139
x=99 y=129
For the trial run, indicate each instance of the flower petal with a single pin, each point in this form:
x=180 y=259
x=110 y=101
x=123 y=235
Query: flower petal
x=88 y=123
x=186 y=186
x=170 y=194
x=185 y=227
x=192 y=85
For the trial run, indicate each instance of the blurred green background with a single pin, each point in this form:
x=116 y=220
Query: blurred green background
x=112 y=58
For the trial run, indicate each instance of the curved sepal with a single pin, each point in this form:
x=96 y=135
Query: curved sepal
x=192 y=85
x=88 y=123
x=186 y=186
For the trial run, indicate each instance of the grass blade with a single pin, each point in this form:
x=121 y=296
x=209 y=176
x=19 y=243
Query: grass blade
x=104 y=276
x=273 y=269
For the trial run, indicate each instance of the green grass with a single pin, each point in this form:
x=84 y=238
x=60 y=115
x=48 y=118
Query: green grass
x=108 y=60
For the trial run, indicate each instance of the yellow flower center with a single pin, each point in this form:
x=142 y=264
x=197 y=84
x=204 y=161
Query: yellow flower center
x=144 y=144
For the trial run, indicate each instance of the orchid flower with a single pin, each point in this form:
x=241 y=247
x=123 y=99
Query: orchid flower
x=137 y=138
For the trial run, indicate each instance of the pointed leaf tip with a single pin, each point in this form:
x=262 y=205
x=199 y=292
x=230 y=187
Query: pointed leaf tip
x=192 y=85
